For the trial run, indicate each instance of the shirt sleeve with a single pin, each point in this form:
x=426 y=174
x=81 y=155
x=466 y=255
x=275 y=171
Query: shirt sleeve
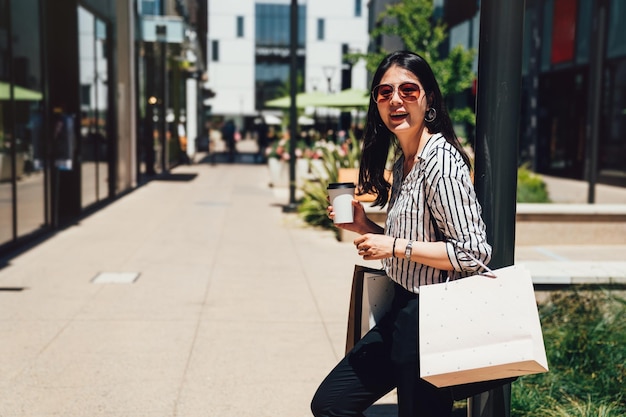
x=456 y=211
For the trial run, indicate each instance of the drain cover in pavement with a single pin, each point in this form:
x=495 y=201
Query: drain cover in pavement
x=115 y=278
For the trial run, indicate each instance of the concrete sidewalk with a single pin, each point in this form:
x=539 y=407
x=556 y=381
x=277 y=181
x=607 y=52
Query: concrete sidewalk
x=236 y=310
x=193 y=295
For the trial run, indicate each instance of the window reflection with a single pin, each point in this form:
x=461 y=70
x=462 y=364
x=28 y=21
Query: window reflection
x=22 y=142
x=6 y=195
x=94 y=108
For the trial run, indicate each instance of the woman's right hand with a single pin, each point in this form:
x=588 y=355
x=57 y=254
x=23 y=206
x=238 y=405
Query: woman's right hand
x=360 y=223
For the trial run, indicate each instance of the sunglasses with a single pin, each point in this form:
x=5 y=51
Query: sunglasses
x=406 y=91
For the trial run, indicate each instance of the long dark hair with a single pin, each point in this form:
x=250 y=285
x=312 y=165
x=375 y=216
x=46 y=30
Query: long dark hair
x=377 y=138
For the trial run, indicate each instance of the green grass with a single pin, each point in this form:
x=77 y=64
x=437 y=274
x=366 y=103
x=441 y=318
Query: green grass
x=585 y=337
x=530 y=187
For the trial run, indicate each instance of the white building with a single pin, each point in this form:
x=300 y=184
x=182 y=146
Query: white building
x=248 y=58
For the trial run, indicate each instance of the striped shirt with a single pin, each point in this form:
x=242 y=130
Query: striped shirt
x=437 y=191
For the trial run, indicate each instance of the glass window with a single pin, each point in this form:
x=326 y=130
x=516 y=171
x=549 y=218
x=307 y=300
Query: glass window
x=563 y=31
x=215 y=51
x=546 y=35
x=613 y=132
x=272 y=28
x=30 y=148
x=616 y=42
x=150 y=7
x=102 y=115
x=6 y=131
x=272 y=32
x=272 y=24
x=240 y=26
x=530 y=17
x=358 y=8
x=320 y=29
x=270 y=78
x=583 y=31
x=94 y=99
x=23 y=140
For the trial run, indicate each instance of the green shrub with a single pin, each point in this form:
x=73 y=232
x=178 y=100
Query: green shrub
x=530 y=187
x=585 y=337
x=312 y=208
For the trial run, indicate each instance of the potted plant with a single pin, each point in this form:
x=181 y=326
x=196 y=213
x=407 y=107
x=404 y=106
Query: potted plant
x=278 y=157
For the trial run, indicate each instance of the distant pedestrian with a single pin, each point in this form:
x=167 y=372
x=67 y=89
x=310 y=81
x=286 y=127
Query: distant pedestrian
x=228 y=134
x=433 y=223
x=262 y=131
x=182 y=141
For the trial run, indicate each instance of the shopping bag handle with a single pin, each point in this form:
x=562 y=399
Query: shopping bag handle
x=489 y=273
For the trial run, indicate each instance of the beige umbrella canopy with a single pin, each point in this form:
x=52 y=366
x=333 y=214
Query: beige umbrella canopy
x=19 y=93
x=350 y=98
x=302 y=100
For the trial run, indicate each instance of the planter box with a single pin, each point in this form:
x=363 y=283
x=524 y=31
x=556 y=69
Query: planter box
x=279 y=171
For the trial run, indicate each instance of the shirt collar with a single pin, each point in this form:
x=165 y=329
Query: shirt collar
x=432 y=142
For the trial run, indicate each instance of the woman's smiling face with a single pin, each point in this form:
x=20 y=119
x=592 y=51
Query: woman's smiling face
x=402 y=116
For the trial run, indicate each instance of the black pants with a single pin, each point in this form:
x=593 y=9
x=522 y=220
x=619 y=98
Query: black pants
x=384 y=359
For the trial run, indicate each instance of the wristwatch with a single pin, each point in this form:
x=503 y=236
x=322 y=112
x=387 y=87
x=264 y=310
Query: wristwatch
x=408 y=250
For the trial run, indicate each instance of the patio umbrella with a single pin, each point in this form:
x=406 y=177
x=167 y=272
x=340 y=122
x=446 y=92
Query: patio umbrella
x=19 y=93
x=305 y=120
x=271 y=119
x=349 y=98
x=302 y=100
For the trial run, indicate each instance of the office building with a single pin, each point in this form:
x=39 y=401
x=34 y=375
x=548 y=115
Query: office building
x=248 y=57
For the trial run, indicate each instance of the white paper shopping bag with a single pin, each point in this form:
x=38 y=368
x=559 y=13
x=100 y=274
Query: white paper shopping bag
x=480 y=328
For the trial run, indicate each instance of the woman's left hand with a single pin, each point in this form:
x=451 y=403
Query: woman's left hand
x=374 y=246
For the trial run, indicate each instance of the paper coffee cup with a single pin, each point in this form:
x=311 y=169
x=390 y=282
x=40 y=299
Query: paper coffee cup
x=341 y=195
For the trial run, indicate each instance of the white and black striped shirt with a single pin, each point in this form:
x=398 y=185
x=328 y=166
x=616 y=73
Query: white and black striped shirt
x=437 y=191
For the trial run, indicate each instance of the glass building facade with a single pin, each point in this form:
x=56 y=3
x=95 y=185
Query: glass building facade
x=575 y=69
x=56 y=158
x=94 y=104
x=272 y=50
x=23 y=166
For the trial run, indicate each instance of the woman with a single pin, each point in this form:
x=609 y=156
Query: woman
x=433 y=230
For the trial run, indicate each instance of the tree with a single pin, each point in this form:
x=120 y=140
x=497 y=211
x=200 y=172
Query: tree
x=413 y=22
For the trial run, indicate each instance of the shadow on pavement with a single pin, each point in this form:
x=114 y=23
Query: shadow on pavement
x=225 y=158
x=175 y=177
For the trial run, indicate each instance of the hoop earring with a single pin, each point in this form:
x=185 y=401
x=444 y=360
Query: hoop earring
x=431 y=115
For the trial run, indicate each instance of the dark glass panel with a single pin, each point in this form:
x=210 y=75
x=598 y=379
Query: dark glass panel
x=616 y=42
x=6 y=193
x=89 y=97
x=29 y=143
x=94 y=135
x=102 y=92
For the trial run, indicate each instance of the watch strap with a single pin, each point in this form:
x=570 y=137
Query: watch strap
x=408 y=250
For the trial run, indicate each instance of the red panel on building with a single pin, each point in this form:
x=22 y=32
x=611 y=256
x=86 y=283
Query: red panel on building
x=563 y=30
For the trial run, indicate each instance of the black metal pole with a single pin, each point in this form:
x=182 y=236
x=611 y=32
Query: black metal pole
x=595 y=94
x=497 y=132
x=293 y=115
x=11 y=111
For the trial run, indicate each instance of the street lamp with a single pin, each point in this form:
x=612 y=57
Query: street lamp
x=329 y=70
x=293 y=114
